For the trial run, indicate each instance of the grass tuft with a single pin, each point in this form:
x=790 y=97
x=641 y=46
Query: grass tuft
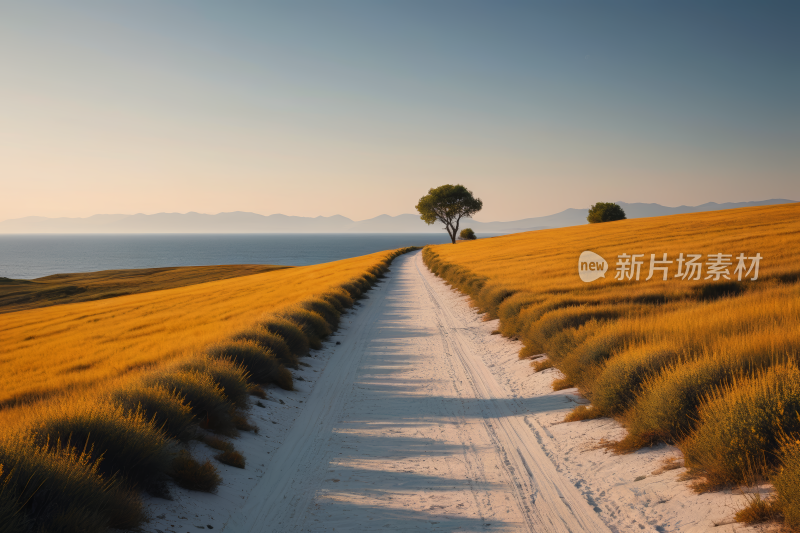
x=742 y=421
x=261 y=365
x=583 y=412
x=167 y=409
x=270 y=342
x=191 y=474
x=313 y=325
x=130 y=444
x=59 y=489
x=231 y=458
x=229 y=375
x=787 y=481
x=205 y=398
x=542 y=364
x=290 y=332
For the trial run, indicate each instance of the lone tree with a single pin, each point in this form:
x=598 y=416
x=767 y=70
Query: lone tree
x=467 y=235
x=605 y=212
x=448 y=204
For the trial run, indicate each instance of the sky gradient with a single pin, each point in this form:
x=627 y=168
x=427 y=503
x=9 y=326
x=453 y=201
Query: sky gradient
x=357 y=108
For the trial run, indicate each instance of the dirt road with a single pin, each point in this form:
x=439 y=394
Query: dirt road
x=407 y=429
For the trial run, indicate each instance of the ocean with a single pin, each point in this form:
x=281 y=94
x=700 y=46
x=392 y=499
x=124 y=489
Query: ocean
x=35 y=256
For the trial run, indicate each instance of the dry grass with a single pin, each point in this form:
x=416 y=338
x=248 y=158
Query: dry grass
x=21 y=294
x=45 y=351
x=191 y=474
x=583 y=412
x=86 y=447
x=658 y=353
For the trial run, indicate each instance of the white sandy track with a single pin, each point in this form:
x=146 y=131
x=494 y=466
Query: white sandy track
x=408 y=429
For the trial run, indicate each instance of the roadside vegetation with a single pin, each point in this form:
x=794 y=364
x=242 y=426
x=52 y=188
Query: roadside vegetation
x=68 y=347
x=709 y=365
x=78 y=461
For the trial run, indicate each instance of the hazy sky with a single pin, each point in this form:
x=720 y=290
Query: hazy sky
x=357 y=108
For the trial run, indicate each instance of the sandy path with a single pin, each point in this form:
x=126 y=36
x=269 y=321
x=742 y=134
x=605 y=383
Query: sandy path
x=408 y=429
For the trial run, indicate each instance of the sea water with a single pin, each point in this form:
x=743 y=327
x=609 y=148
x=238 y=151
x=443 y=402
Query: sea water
x=35 y=256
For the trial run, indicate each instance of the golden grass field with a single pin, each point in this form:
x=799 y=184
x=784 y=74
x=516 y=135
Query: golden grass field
x=49 y=350
x=21 y=294
x=122 y=383
x=667 y=357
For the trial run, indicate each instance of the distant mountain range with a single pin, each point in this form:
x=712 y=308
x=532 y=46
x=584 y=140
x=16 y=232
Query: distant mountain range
x=242 y=222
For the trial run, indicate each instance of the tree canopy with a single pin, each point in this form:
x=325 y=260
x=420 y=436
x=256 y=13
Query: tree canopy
x=605 y=212
x=467 y=235
x=448 y=204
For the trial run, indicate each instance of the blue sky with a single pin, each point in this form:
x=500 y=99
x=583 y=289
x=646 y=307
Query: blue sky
x=357 y=108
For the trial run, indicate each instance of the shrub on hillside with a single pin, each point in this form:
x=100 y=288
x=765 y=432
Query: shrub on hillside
x=131 y=445
x=261 y=365
x=58 y=489
x=231 y=377
x=605 y=212
x=339 y=299
x=206 y=399
x=290 y=332
x=325 y=309
x=353 y=289
x=467 y=235
x=166 y=408
x=312 y=324
x=787 y=481
x=741 y=422
x=191 y=474
x=621 y=379
x=271 y=342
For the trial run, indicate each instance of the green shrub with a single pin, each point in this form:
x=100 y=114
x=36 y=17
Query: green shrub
x=191 y=474
x=166 y=408
x=206 y=399
x=262 y=366
x=605 y=212
x=271 y=342
x=743 y=421
x=130 y=444
x=787 y=481
x=325 y=310
x=231 y=376
x=58 y=489
x=467 y=235
x=291 y=333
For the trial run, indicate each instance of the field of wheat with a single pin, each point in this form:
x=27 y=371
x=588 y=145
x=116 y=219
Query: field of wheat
x=705 y=358
x=100 y=396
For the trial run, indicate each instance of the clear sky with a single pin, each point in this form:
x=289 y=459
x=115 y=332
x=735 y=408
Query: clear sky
x=357 y=108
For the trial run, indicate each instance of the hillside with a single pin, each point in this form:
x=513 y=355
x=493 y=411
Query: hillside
x=21 y=294
x=709 y=364
x=53 y=349
x=242 y=222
